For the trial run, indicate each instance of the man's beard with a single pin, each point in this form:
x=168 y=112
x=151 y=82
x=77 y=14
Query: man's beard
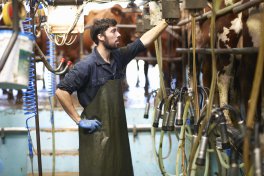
x=108 y=46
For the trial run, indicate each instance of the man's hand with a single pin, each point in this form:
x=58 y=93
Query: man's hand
x=90 y=125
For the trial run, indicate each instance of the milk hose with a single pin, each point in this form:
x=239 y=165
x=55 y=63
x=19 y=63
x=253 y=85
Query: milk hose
x=253 y=100
x=57 y=70
x=158 y=155
x=195 y=90
x=181 y=144
x=212 y=87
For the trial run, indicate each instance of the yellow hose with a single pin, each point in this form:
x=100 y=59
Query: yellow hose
x=253 y=100
x=196 y=98
x=181 y=144
x=158 y=50
x=212 y=87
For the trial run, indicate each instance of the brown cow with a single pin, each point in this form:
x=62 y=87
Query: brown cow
x=115 y=12
x=234 y=75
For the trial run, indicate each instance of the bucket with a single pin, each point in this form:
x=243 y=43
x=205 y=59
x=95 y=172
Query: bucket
x=15 y=72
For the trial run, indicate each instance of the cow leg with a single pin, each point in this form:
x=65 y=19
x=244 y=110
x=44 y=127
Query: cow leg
x=19 y=97
x=137 y=84
x=4 y=91
x=223 y=84
x=10 y=95
x=146 y=66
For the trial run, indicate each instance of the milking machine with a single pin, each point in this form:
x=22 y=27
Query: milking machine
x=207 y=141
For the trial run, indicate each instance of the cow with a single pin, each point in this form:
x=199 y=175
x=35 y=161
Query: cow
x=228 y=31
x=234 y=72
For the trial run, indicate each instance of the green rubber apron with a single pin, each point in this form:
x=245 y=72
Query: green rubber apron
x=106 y=152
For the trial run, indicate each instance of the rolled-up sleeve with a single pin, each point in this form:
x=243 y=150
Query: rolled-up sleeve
x=75 y=78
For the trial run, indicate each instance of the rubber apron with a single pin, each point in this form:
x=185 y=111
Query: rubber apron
x=107 y=151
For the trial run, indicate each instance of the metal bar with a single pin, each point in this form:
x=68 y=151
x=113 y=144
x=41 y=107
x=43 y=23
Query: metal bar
x=88 y=26
x=246 y=5
x=130 y=128
x=153 y=59
x=65 y=2
x=235 y=8
x=126 y=25
x=32 y=14
x=168 y=59
x=14 y=130
x=246 y=50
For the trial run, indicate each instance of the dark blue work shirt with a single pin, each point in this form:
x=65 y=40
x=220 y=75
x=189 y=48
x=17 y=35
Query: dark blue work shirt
x=89 y=74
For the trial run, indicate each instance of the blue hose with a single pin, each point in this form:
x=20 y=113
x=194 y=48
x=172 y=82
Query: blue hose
x=29 y=98
x=51 y=60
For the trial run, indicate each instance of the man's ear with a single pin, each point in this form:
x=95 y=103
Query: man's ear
x=100 y=37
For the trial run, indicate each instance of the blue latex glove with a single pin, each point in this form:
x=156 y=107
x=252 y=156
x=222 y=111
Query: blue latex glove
x=90 y=125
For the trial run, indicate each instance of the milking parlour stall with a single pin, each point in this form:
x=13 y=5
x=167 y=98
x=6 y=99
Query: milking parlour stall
x=189 y=103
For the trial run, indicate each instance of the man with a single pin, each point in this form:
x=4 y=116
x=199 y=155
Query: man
x=103 y=137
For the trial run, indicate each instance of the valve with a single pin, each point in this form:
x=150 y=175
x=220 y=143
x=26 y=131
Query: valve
x=179 y=120
x=158 y=114
x=146 y=113
x=170 y=126
x=170 y=11
x=202 y=151
x=157 y=117
x=165 y=121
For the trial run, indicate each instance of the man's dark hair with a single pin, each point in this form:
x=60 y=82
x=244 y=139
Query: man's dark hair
x=100 y=26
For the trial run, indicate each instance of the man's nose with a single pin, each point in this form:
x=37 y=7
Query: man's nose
x=118 y=34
